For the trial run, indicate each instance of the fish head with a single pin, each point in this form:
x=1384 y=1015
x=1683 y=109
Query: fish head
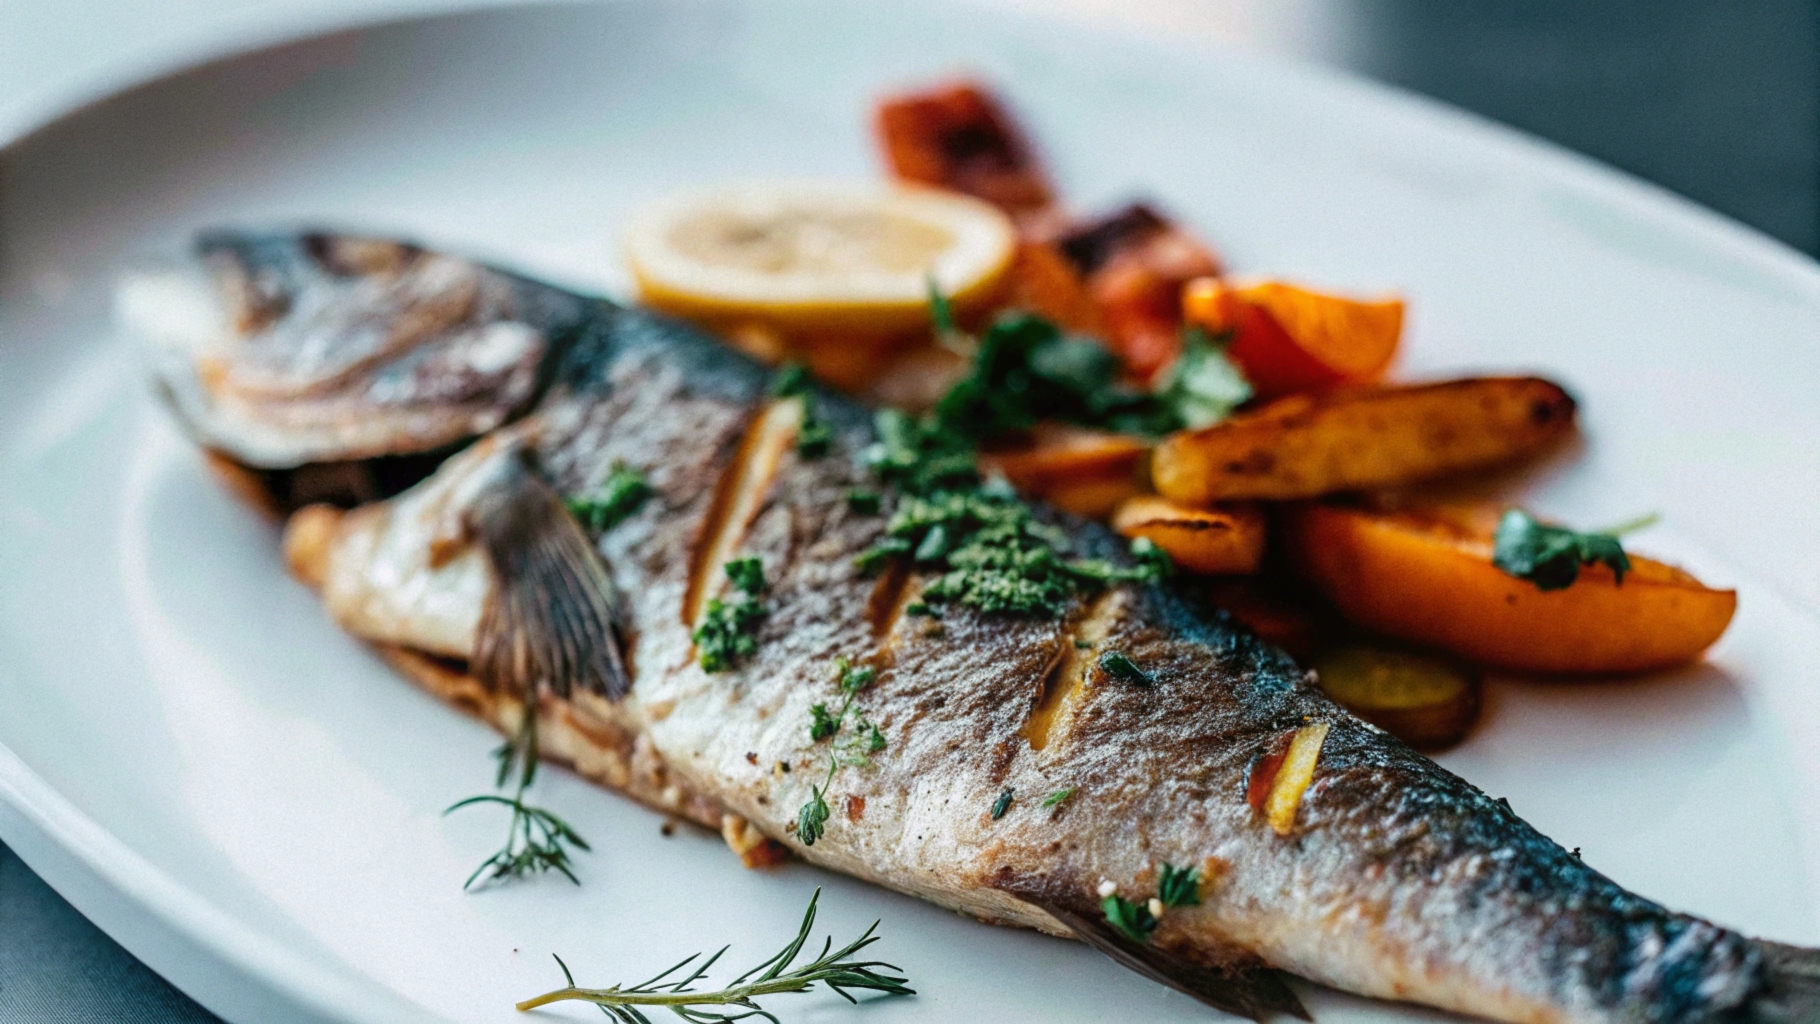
x=285 y=350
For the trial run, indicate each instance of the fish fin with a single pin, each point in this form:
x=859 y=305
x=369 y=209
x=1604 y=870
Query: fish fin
x=1792 y=995
x=1252 y=991
x=552 y=619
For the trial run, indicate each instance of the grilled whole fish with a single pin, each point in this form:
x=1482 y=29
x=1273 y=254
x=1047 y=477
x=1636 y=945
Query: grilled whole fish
x=1392 y=877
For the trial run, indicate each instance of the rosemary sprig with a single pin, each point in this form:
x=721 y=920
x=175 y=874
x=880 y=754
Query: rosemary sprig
x=837 y=969
x=535 y=837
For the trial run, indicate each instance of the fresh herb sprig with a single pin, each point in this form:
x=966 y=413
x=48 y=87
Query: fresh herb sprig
x=608 y=505
x=728 y=632
x=1025 y=370
x=536 y=838
x=1178 y=887
x=840 y=970
x=1137 y=920
x=853 y=751
x=1551 y=556
x=981 y=545
x=1129 y=918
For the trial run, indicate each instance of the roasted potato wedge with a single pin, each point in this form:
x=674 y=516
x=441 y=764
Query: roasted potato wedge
x=1304 y=446
x=1427 y=702
x=1223 y=541
x=1431 y=581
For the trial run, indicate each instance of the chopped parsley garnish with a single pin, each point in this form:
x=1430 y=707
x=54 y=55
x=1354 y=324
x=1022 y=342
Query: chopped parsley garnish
x=864 y=502
x=1026 y=370
x=728 y=631
x=608 y=505
x=1117 y=665
x=1001 y=805
x=1551 y=556
x=813 y=435
x=748 y=574
x=1057 y=798
x=981 y=546
x=1204 y=385
x=1132 y=920
x=988 y=551
x=1179 y=887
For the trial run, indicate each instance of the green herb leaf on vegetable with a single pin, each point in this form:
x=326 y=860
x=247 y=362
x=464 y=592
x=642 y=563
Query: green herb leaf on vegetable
x=1057 y=798
x=1204 y=385
x=1551 y=556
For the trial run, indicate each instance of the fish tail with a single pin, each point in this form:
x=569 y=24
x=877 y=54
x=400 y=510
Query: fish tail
x=1792 y=992
x=552 y=619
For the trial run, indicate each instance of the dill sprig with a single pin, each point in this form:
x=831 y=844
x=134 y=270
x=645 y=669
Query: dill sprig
x=535 y=838
x=839 y=970
x=855 y=750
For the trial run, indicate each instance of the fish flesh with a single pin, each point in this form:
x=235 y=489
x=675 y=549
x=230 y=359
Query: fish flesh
x=1386 y=875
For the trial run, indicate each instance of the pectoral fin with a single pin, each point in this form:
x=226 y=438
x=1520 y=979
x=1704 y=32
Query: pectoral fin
x=552 y=619
x=1253 y=991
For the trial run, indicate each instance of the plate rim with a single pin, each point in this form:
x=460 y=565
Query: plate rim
x=178 y=913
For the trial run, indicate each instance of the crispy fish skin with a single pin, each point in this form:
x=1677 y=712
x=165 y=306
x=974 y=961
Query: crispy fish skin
x=1397 y=879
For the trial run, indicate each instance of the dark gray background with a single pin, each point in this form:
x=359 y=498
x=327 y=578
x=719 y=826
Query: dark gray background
x=1716 y=99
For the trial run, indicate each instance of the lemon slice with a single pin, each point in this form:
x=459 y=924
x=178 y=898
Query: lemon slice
x=818 y=260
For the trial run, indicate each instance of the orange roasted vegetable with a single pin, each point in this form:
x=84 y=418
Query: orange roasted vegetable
x=959 y=137
x=1135 y=263
x=1304 y=446
x=1428 y=578
x=1087 y=472
x=1044 y=281
x=1220 y=541
x=1289 y=339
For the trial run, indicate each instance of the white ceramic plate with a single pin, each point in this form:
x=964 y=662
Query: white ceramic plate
x=249 y=801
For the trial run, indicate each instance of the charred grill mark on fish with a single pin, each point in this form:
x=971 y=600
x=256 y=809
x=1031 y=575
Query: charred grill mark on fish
x=1394 y=878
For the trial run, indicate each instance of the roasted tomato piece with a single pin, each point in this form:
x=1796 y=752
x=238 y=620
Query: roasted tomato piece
x=958 y=136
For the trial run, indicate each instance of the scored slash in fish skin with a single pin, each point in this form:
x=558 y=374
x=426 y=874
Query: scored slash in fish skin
x=1396 y=879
